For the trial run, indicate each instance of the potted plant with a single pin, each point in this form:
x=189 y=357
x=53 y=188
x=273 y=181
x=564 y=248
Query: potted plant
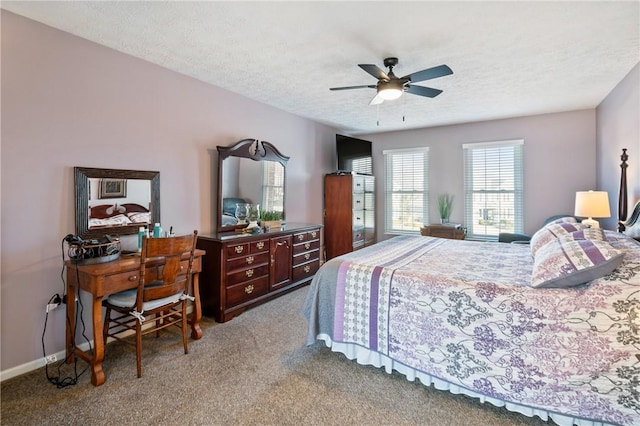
x=271 y=219
x=445 y=203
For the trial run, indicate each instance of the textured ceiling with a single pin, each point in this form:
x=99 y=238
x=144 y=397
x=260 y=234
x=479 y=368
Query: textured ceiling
x=509 y=58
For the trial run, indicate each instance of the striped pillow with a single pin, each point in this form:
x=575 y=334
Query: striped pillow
x=568 y=261
x=551 y=231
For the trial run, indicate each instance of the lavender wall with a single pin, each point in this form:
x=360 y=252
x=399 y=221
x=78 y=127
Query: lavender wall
x=618 y=126
x=69 y=102
x=559 y=159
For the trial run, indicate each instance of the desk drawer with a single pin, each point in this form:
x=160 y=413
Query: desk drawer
x=127 y=280
x=245 y=262
x=246 y=291
x=247 y=274
x=155 y=273
x=305 y=270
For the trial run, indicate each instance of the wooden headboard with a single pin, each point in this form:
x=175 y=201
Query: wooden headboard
x=105 y=211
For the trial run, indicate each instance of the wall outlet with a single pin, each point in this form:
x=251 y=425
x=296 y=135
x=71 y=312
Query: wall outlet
x=51 y=358
x=51 y=307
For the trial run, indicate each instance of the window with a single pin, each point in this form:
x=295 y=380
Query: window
x=493 y=188
x=406 y=196
x=272 y=186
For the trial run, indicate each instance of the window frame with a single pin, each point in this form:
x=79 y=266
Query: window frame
x=517 y=182
x=390 y=192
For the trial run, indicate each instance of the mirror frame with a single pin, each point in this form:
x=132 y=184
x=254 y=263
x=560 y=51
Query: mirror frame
x=257 y=151
x=82 y=175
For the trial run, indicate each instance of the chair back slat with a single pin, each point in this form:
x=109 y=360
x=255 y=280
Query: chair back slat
x=174 y=278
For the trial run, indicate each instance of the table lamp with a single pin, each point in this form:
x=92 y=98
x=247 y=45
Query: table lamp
x=592 y=204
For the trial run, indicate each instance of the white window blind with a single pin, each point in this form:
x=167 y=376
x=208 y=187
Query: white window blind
x=493 y=188
x=361 y=165
x=272 y=186
x=406 y=198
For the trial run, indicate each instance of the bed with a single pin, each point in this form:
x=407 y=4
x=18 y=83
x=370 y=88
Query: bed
x=510 y=324
x=106 y=215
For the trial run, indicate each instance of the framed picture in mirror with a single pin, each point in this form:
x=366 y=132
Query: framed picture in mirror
x=112 y=188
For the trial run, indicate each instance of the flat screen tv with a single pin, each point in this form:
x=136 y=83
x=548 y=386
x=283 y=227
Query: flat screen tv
x=354 y=155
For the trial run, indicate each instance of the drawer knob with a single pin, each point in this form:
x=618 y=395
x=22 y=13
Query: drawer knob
x=260 y=245
x=133 y=278
x=301 y=237
x=250 y=260
x=307 y=268
x=249 y=273
x=313 y=234
x=307 y=246
x=248 y=289
x=307 y=256
x=239 y=249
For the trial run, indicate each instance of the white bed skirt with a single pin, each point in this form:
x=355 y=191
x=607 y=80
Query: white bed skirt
x=365 y=356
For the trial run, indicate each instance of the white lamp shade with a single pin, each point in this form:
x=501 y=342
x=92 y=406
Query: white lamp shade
x=592 y=204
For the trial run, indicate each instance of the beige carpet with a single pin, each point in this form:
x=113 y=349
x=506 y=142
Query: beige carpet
x=252 y=370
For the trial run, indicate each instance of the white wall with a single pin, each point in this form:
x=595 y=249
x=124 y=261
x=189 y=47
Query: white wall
x=559 y=159
x=69 y=102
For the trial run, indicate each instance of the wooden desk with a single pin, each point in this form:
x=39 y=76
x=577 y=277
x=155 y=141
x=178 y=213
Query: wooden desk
x=103 y=279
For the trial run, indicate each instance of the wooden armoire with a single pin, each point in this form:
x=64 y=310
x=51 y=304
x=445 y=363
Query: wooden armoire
x=349 y=213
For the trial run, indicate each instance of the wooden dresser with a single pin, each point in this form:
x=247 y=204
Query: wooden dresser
x=349 y=213
x=243 y=270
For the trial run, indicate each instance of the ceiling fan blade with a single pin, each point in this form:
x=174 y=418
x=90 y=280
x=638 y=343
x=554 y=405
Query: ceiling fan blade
x=429 y=73
x=423 y=91
x=371 y=86
x=374 y=71
x=377 y=100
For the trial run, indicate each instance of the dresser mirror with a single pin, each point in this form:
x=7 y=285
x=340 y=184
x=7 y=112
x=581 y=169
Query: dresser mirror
x=115 y=202
x=250 y=171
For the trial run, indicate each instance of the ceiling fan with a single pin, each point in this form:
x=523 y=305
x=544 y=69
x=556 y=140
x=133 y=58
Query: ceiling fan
x=391 y=87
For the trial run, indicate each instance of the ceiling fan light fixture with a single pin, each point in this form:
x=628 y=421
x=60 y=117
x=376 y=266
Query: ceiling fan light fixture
x=390 y=93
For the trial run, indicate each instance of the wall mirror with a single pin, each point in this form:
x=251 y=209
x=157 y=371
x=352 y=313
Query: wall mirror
x=115 y=202
x=250 y=171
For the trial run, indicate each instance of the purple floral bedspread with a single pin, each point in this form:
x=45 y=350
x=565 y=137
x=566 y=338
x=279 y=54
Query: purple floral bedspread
x=464 y=312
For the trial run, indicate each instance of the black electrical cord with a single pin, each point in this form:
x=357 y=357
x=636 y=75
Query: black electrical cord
x=58 y=380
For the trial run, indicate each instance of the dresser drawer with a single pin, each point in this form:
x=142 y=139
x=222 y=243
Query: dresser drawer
x=306 y=270
x=358 y=238
x=306 y=257
x=358 y=184
x=358 y=218
x=306 y=236
x=245 y=248
x=301 y=248
x=237 y=250
x=247 y=274
x=245 y=262
x=246 y=291
x=358 y=202
x=258 y=246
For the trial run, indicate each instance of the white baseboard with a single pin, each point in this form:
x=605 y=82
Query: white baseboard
x=40 y=362
x=35 y=364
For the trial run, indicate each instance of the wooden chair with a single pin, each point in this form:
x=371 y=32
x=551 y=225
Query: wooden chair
x=162 y=293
